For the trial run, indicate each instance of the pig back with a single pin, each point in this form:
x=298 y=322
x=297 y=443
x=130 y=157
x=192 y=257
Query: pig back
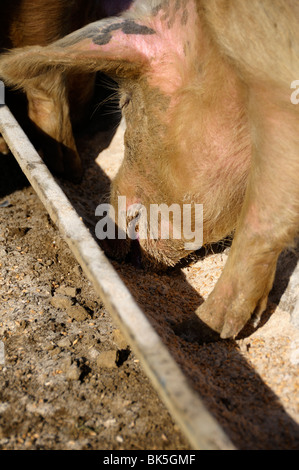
x=260 y=36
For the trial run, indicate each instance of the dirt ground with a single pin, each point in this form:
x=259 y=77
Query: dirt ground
x=68 y=380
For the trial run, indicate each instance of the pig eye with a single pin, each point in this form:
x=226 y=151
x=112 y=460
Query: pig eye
x=124 y=101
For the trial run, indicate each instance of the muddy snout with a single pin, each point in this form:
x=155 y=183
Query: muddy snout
x=128 y=238
x=119 y=234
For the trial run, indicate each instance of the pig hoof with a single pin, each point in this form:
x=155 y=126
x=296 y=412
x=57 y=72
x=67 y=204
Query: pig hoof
x=237 y=318
x=196 y=331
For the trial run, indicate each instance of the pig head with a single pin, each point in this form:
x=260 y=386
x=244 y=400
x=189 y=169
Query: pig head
x=205 y=90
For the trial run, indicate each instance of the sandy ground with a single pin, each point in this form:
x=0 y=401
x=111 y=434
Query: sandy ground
x=68 y=380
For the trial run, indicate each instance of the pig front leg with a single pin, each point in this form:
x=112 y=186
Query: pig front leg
x=244 y=286
x=48 y=109
x=269 y=220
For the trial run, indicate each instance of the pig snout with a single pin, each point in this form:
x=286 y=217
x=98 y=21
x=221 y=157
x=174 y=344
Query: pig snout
x=148 y=236
x=138 y=234
x=118 y=230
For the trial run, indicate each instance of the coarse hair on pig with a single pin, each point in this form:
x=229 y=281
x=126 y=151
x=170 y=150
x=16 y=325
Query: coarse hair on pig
x=260 y=37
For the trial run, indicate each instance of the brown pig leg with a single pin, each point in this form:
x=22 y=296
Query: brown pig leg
x=48 y=109
x=269 y=220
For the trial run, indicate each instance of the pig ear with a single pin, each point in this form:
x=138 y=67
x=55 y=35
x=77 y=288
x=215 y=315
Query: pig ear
x=117 y=46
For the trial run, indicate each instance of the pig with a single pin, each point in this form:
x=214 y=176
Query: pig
x=61 y=100
x=205 y=91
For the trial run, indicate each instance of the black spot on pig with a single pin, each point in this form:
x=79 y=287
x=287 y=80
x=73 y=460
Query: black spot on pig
x=130 y=27
x=184 y=19
x=104 y=36
x=127 y=27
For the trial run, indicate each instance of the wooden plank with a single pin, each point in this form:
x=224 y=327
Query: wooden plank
x=186 y=407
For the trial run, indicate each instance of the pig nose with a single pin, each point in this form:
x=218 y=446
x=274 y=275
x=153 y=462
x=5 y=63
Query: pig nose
x=133 y=210
x=123 y=250
x=134 y=213
x=125 y=243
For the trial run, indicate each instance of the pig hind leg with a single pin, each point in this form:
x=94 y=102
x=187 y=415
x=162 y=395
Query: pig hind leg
x=269 y=220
